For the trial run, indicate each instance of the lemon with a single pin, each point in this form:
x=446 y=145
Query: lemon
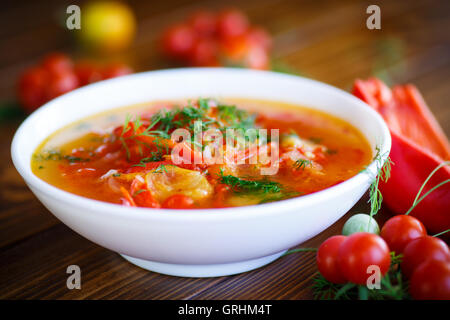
x=107 y=26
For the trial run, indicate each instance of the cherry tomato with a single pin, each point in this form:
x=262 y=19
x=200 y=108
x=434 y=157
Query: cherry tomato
x=260 y=37
x=204 y=23
x=421 y=249
x=235 y=49
x=61 y=83
x=178 y=201
x=257 y=58
x=87 y=73
x=116 y=70
x=241 y=51
x=178 y=41
x=327 y=259
x=431 y=281
x=358 y=252
x=398 y=231
x=31 y=88
x=144 y=198
x=232 y=23
x=57 y=63
x=205 y=53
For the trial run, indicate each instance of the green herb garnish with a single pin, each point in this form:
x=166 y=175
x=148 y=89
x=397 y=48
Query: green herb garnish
x=57 y=156
x=153 y=158
x=384 y=172
x=235 y=118
x=250 y=186
x=73 y=159
x=48 y=155
x=315 y=139
x=302 y=164
x=162 y=168
x=138 y=192
x=417 y=200
x=189 y=117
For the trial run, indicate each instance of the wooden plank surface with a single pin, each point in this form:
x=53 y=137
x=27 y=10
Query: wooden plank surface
x=325 y=40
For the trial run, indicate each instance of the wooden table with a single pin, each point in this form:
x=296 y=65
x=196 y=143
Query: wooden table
x=325 y=40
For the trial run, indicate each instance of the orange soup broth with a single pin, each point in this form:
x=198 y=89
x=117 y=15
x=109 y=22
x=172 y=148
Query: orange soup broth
x=347 y=153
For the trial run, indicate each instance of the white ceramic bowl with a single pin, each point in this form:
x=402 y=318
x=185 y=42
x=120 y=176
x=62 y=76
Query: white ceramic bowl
x=208 y=242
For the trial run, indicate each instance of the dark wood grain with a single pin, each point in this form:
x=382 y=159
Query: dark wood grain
x=325 y=40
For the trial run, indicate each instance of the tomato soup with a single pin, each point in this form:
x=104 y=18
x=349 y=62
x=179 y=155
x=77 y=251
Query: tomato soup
x=202 y=153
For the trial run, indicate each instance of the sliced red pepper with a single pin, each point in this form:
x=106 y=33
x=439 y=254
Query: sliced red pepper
x=418 y=146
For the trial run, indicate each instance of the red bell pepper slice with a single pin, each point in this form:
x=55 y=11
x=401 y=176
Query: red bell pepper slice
x=418 y=146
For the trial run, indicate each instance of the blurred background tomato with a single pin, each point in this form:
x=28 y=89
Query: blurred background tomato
x=326 y=40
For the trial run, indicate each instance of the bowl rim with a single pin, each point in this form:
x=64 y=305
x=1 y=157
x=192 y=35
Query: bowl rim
x=243 y=212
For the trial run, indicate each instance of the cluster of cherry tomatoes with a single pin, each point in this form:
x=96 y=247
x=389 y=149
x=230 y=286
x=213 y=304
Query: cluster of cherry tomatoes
x=57 y=74
x=425 y=259
x=217 y=39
